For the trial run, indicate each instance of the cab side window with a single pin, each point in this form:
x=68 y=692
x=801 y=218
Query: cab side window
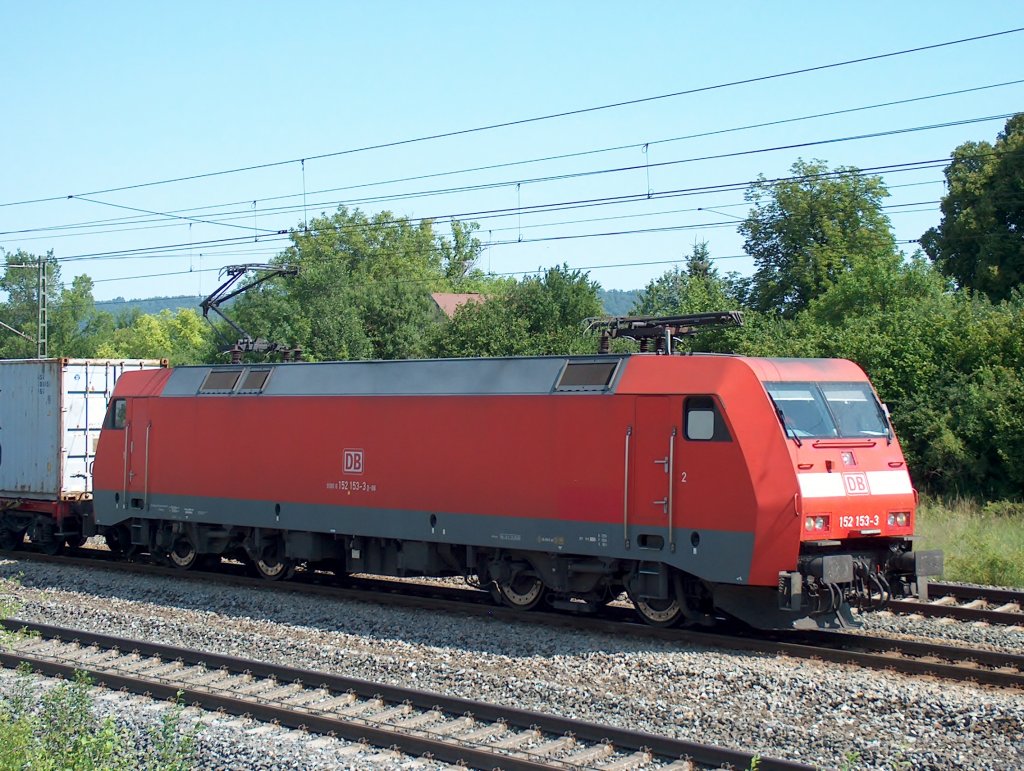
x=117 y=415
x=703 y=420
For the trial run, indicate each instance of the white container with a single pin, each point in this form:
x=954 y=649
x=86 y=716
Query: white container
x=51 y=411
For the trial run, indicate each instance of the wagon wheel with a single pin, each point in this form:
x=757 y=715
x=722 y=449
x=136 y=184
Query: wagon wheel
x=657 y=612
x=183 y=554
x=523 y=592
x=11 y=539
x=48 y=542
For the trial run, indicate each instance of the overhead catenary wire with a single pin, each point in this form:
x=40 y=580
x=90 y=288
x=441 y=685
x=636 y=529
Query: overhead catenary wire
x=535 y=208
x=532 y=272
x=440 y=219
x=189 y=220
x=490 y=243
x=534 y=119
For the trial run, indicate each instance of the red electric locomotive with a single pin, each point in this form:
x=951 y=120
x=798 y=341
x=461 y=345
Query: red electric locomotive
x=769 y=490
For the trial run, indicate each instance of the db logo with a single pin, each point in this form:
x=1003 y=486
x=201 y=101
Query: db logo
x=856 y=484
x=353 y=462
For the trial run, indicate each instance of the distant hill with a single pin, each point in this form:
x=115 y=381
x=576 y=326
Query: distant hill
x=149 y=305
x=618 y=302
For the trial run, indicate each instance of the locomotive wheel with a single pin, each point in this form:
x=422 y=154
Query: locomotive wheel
x=183 y=555
x=274 y=569
x=521 y=593
x=662 y=613
x=118 y=540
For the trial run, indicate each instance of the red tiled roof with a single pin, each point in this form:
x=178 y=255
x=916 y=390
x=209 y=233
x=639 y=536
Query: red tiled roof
x=449 y=302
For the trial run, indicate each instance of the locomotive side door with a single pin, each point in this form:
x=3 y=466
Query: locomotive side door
x=652 y=514
x=137 y=438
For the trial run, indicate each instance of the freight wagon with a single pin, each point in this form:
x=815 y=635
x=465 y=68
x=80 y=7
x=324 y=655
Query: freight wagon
x=51 y=413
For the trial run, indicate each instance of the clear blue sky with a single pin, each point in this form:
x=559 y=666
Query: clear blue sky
x=102 y=95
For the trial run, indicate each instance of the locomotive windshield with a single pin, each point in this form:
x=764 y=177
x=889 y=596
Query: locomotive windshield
x=826 y=410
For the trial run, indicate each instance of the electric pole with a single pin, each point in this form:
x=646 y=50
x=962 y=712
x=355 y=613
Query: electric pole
x=41 y=342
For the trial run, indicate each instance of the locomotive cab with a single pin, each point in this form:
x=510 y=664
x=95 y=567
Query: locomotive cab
x=855 y=500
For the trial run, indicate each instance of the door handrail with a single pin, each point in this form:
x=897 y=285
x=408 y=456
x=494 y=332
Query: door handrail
x=625 y=490
x=145 y=486
x=124 y=490
x=671 y=487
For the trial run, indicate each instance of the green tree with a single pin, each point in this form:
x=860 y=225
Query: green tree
x=541 y=314
x=554 y=305
x=805 y=231
x=697 y=289
x=881 y=284
x=980 y=240
x=363 y=288
x=75 y=327
x=182 y=337
x=489 y=328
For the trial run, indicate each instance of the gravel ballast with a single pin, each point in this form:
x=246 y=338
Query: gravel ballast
x=829 y=715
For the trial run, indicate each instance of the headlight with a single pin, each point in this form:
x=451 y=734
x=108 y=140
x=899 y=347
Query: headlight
x=809 y=523
x=898 y=518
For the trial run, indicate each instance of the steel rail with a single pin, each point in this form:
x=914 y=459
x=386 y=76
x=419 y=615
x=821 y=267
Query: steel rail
x=940 y=592
x=967 y=592
x=957 y=612
x=1004 y=669
x=414 y=743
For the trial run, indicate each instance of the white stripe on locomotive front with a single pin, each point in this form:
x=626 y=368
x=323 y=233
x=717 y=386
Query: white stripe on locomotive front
x=830 y=485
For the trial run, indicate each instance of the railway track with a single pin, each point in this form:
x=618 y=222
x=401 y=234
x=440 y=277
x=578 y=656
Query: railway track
x=420 y=723
x=967 y=603
x=995 y=668
x=1004 y=670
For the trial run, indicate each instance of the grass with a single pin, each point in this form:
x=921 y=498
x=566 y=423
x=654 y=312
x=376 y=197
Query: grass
x=983 y=543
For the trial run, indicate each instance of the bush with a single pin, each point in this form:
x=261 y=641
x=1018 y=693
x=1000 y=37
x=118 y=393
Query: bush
x=1008 y=509
x=59 y=729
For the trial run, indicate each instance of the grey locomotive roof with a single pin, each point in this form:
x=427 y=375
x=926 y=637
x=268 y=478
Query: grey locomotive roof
x=518 y=375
